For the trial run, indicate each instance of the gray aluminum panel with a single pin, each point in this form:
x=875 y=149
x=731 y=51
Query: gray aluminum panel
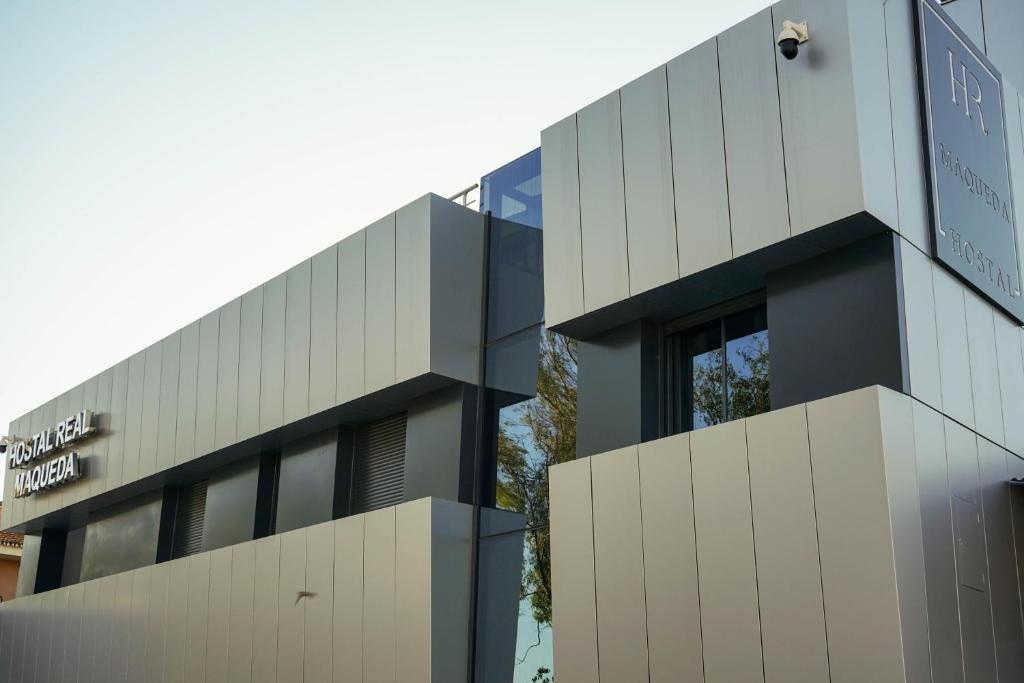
x=619 y=564
x=1003 y=19
x=647 y=171
x=602 y=203
x=291 y=609
x=785 y=536
x=219 y=615
x=922 y=338
x=177 y=613
x=319 y=580
x=249 y=356
x=348 y=600
x=265 y=599
x=168 y=410
x=976 y=631
x=962 y=459
x=188 y=376
x=937 y=529
x=379 y=639
x=981 y=352
x=819 y=118
x=951 y=325
x=272 y=355
x=1002 y=562
x=323 y=330
x=32 y=644
x=412 y=289
x=351 y=316
x=150 y=410
x=61 y=634
x=563 y=251
x=450 y=561
x=136 y=643
x=100 y=466
x=44 y=634
x=380 y=304
x=854 y=537
x=753 y=134
x=730 y=625
x=1011 y=380
x=907 y=133
x=968 y=17
x=243 y=586
x=156 y=621
x=122 y=627
x=414 y=578
x=698 y=159
x=897 y=421
x=206 y=385
x=670 y=561
x=196 y=619
x=133 y=417
x=296 y=342
x=228 y=344
x=572 y=571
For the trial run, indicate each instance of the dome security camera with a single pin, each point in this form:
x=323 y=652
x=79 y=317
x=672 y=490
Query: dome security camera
x=791 y=37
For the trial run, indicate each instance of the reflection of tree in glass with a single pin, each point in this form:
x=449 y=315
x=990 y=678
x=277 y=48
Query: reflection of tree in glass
x=746 y=374
x=543 y=433
x=542 y=676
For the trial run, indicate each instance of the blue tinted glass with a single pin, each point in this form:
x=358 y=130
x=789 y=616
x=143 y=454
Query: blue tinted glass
x=746 y=345
x=513 y=191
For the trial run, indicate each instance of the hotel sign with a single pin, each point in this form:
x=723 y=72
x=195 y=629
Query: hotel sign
x=973 y=221
x=56 y=471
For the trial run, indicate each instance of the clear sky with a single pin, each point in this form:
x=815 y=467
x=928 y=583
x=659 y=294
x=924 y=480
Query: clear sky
x=159 y=159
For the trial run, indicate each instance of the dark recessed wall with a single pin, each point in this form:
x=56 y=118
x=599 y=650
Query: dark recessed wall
x=231 y=504
x=834 y=324
x=305 y=493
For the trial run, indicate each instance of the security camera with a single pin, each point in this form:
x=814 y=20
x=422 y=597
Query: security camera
x=791 y=37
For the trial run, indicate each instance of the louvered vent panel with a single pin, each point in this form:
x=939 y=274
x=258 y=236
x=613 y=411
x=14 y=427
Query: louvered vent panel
x=189 y=520
x=379 y=464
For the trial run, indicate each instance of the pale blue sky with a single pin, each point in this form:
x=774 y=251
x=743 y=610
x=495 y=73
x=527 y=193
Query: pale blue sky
x=159 y=159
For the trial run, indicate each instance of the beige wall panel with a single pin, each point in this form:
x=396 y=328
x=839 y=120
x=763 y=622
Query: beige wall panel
x=937 y=532
x=291 y=609
x=563 y=251
x=197 y=618
x=249 y=356
x=297 y=341
x=168 y=409
x=219 y=617
x=1011 y=380
x=265 y=599
x=272 y=343
x=897 y=417
x=240 y=627
x=451 y=559
x=351 y=316
x=188 y=378
x=206 y=386
x=730 y=623
x=348 y=600
x=122 y=626
x=619 y=566
x=136 y=642
x=133 y=416
x=753 y=134
x=380 y=304
x=412 y=289
x=573 y=600
x=647 y=171
x=951 y=324
x=156 y=621
x=819 y=118
x=786 y=542
x=698 y=159
x=602 y=203
x=855 y=542
x=981 y=353
x=922 y=337
x=323 y=331
x=379 y=644
x=228 y=348
x=319 y=617
x=413 y=580
x=177 y=616
x=670 y=561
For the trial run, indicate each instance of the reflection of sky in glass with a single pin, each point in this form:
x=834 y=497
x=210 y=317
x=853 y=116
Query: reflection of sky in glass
x=529 y=655
x=735 y=349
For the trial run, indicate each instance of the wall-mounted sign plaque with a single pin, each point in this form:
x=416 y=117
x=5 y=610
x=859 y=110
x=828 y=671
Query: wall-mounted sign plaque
x=973 y=220
x=55 y=471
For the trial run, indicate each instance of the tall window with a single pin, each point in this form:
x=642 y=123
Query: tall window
x=717 y=370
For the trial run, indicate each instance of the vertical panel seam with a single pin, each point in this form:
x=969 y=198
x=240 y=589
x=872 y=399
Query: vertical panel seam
x=579 y=211
x=725 y=159
x=643 y=558
x=782 y=131
x=625 y=199
x=817 y=538
x=672 y=179
x=753 y=548
x=593 y=558
x=892 y=115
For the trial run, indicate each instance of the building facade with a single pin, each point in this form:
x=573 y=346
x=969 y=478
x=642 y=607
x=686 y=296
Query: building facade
x=723 y=383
